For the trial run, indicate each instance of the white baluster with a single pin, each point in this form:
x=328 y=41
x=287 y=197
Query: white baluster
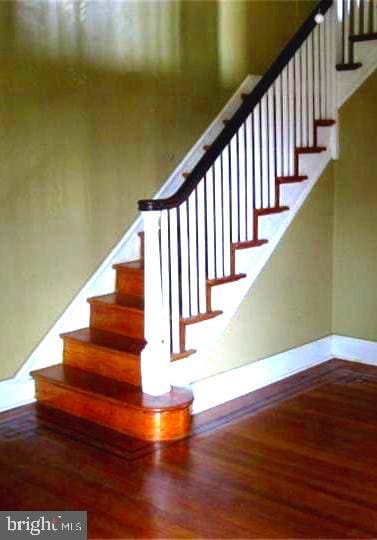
x=357 y=17
x=226 y=211
x=304 y=90
x=174 y=274
x=271 y=144
x=264 y=150
x=322 y=49
x=201 y=248
x=258 y=157
x=234 y=187
x=185 y=280
x=339 y=32
x=291 y=107
x=218 y=218
x=366 y=17
x=334 y=141
x=279 y=132
x=242 y=183
x=317 y=83
x=330 y=74
x=193 y=258
x=285 y=129
x=298 y=97
x=155 y=357
x=210 y=225
x=310 y=92
x=250 y=176
x=346 y=42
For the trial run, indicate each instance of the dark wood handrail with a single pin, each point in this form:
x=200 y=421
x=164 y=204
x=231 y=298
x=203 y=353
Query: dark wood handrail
x=239 y=117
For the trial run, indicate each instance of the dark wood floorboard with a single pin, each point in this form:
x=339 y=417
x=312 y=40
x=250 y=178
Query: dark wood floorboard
x=297 y=459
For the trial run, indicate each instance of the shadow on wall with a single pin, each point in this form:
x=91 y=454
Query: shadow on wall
x=100 y=100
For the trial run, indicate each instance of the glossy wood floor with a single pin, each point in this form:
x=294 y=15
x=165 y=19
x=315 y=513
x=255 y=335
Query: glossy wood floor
x=295 y=460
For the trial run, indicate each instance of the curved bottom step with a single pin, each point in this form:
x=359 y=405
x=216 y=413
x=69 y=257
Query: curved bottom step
x=117 y=405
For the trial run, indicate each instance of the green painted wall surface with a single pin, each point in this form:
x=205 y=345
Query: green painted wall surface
x=290 y=303
x=355 y=238
x=98 y=103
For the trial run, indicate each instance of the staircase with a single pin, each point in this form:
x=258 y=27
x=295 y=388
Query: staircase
x=202 y=247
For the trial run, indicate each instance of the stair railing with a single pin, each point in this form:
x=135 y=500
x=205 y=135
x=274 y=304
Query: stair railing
x=190 y=236
x=358 y=20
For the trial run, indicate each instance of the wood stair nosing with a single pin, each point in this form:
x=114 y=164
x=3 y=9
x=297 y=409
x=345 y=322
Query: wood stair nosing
x=182 y=355
x=115 y=404
x=291 y=179
x=310 y=149
x=270 y=211
x=351 y=66
x=248 y=244
x=324 y=122
x=357 y=38
x=223 y=280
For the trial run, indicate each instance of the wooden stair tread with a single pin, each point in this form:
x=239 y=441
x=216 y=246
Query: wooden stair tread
x=291 y=179
x=249 y=244
x=270 y=211
x=311 y=149
x=201 y=317
x=109 y=389
x=349 y=67
x=226 y=279
x=137 y=265
x=324 y=122
x=107 y=340
x=183 y=354
x=363 y=37
x=119 y=301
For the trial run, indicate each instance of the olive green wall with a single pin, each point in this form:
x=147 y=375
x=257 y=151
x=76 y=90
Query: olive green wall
x=290 y=303
x=98 y=103
x=355 y=238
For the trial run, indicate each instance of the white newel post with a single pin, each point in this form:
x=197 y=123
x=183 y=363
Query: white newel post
x=155 y=357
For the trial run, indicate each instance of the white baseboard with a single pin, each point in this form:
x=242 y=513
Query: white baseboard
x=237 y=382
x=15 y=392
x=355 y=350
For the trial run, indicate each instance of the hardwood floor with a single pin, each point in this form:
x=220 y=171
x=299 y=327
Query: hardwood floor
x=295 y=460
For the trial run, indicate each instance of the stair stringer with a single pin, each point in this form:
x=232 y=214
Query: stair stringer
x=228 y=297
x=49 y=351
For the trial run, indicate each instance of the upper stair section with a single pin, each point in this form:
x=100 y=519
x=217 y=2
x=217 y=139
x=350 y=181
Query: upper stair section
x=357 y=59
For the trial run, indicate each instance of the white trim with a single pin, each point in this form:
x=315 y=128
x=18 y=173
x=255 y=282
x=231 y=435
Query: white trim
x=354 y=349
x=237 y=382
x=14 y=393
x=226 y=386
